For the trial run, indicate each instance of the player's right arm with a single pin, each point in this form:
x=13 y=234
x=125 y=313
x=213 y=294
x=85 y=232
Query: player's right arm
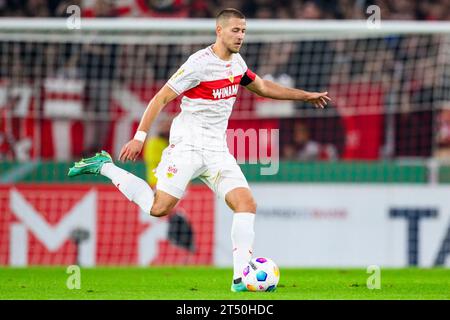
x=133 y=148
x=186 y=77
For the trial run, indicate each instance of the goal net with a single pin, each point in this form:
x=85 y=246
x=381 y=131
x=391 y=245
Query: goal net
x=66 y=93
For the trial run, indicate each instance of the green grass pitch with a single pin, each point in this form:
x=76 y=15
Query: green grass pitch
x=200 y=283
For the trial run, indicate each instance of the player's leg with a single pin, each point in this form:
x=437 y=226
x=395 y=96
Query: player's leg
x=175 y=170
x=241 y=201
x=133 y=187
x=163 y=203
x=225 y=178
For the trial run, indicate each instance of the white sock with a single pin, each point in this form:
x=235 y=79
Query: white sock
x=134 y=188
x=242 y=236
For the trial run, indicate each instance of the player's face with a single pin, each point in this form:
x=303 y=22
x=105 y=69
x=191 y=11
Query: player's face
x=233 y=33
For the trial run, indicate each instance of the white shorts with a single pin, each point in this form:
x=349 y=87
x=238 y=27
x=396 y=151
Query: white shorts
x=178 y=166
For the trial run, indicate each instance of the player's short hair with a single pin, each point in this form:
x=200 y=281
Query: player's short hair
x=228 y=13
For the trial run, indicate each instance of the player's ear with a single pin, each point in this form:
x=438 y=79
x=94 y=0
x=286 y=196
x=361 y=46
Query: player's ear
x=218 y=29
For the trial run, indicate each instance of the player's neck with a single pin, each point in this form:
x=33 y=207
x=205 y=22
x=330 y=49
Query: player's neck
x=221 y=52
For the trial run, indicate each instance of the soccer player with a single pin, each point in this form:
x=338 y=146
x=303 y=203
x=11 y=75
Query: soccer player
x=209 y=81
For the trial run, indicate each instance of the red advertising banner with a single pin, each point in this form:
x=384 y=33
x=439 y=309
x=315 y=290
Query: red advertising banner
x=50 y=224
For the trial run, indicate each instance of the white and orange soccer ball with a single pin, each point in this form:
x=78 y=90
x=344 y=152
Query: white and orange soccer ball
x=261 y=274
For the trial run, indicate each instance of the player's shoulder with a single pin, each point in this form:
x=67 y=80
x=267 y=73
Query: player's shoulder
x=199 y=58
x=240 y=61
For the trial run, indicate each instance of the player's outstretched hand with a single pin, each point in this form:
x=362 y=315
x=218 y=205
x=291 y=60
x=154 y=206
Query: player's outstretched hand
x=131 y=150
x=318 y=99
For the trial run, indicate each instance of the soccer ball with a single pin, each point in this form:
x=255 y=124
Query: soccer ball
x=261 y=274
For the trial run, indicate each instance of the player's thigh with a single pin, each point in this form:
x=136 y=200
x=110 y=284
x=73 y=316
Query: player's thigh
x=175 y=171
x=225 y=178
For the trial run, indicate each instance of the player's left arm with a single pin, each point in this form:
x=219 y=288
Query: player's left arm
x=269 y=89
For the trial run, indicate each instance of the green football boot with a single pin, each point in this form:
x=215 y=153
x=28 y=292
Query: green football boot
x=90 y=165
x=238 y=287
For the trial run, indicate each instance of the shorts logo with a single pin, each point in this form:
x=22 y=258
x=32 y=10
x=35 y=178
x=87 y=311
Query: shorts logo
x=171 y=171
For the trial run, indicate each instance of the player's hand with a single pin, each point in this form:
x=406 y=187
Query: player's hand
x=318 y=99
x=131 y=150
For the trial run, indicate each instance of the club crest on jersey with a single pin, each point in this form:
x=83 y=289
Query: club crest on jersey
x=225 y=92
x=230 y=76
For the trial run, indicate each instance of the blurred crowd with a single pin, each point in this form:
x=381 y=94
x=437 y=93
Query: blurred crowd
x=387 y=92
x=259 y=9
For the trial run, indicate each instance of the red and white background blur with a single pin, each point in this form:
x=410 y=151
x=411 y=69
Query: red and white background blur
x=37 y=222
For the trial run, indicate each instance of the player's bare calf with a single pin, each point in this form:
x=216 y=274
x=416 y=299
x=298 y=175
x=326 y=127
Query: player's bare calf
x=241 y=200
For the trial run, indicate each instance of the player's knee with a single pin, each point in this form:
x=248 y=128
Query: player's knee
x=159 y=210
x=247 y=205
x=252 y=205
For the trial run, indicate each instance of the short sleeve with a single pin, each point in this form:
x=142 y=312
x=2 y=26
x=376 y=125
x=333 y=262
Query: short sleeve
x=248 y=75
x=184 y=79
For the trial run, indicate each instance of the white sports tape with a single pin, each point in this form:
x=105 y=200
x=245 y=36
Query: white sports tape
x=140 y=136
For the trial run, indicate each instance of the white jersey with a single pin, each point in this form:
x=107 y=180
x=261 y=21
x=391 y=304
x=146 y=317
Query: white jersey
x=209 y=86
